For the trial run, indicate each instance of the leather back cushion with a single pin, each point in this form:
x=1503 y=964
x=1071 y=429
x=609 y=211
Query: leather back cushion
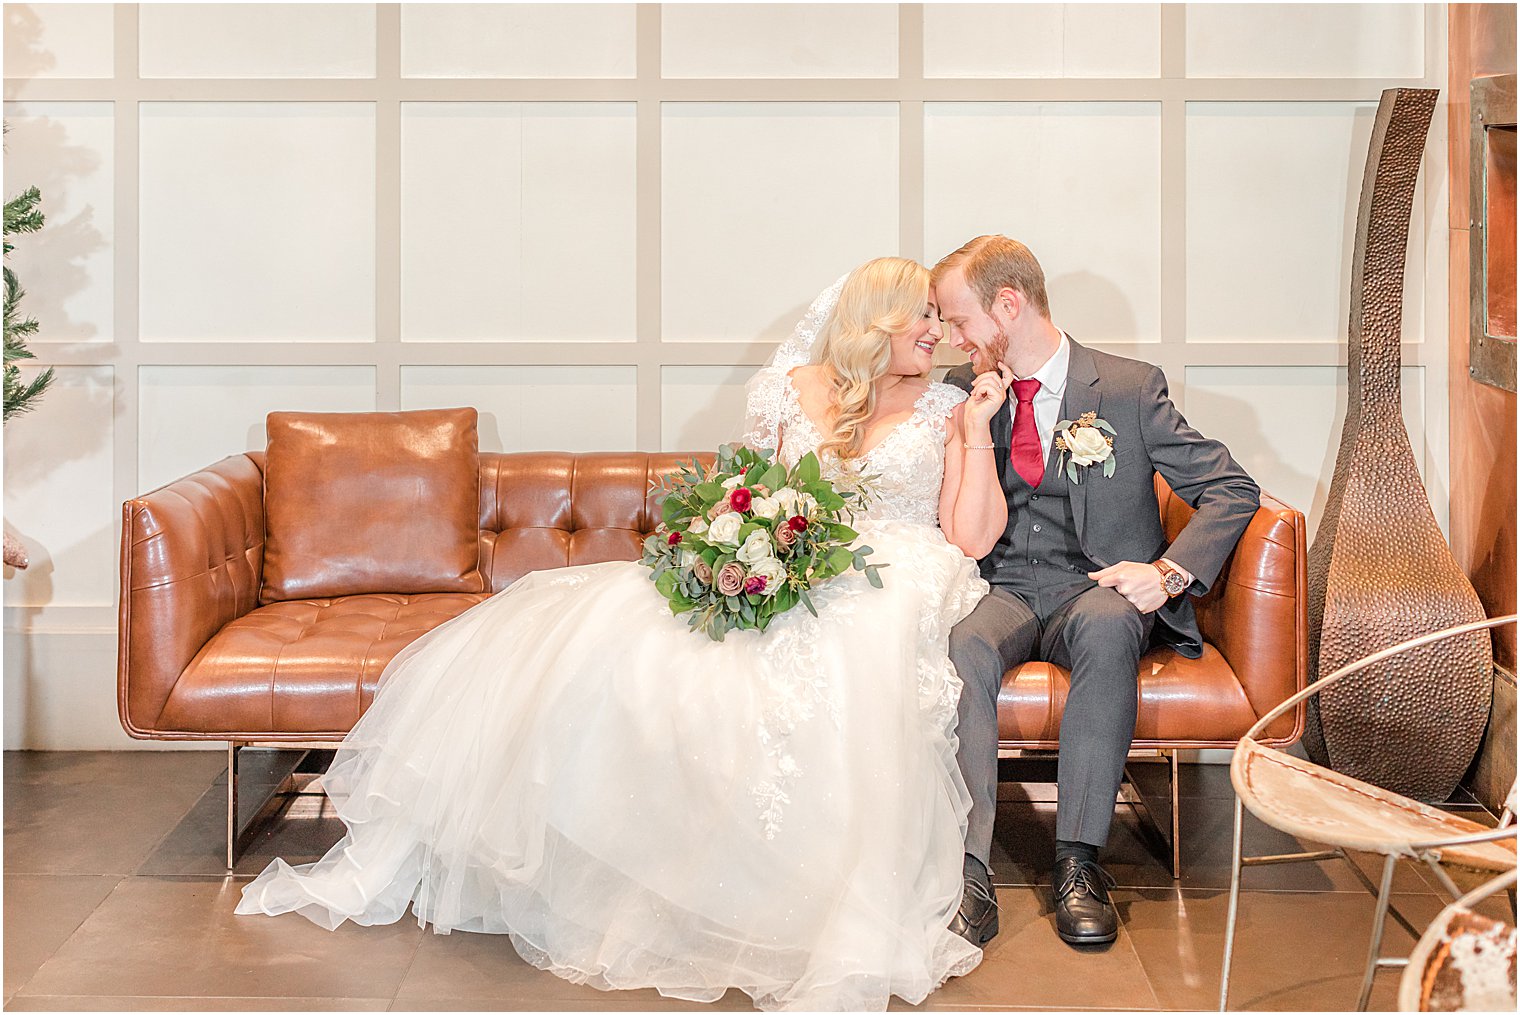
x=554 y=509
x=358 y=502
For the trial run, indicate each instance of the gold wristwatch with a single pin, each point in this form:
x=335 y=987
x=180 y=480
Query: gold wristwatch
x=1172 y=581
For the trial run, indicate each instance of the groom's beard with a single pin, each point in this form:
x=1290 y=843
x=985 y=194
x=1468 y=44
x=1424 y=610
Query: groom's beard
x=995 y=352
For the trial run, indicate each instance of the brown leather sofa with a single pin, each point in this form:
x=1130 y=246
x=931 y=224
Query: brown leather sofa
x=201 y=659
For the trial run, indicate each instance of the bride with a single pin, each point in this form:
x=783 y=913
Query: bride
x=638 y=806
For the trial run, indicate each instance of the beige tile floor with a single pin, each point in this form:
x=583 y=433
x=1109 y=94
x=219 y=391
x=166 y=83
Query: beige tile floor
x=116 y=898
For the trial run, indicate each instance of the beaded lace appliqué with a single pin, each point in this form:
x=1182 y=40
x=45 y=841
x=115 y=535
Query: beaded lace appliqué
x=909 y=463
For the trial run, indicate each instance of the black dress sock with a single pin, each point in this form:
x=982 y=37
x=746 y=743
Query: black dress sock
x=1079 y=850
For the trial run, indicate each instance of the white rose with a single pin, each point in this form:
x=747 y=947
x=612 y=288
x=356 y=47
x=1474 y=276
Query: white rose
x=806 y=505
x=733 y=482
x=698 y=526
x=757 y=547
x=765 y=507
x=773 y=571
x=724 y=529
x=688 y=558
x=1086 y=445
x=786 y=497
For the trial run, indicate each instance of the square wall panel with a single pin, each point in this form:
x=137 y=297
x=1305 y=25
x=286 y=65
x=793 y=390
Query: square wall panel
x=518 y=221
x=58 y=497
x=778 y=40
x=1042 y=40
x=765 y=204
x=1283 y=424
x=1078 y=182
x=1305 y=40
x=535 y=408
x=60 y=41
x=702 y=406
x=1272 y=192
x=257 y=221
x=192 y=416
x=67 y=151
x=315 y=40
x=494 y=40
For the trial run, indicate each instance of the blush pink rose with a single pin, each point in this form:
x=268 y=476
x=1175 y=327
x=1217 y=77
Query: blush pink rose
x=731 y=578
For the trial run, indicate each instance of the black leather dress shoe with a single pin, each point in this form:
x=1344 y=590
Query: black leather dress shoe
x=977 y=919
x=1084 y=914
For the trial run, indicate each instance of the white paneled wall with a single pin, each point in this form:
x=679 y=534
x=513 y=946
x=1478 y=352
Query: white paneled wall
x=591 y=222
x=1079 y=182
x=811 y=186
x=1042 y=40
x=257 y=222
x=535 y=408
x=507 y=243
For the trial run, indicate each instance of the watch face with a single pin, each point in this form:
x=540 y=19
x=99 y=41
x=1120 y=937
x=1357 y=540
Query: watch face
x=1175 y=583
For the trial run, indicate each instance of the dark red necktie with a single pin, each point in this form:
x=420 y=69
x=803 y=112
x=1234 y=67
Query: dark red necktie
x=1027 y=458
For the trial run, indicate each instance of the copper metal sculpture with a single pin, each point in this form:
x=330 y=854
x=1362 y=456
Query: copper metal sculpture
x=1379 y=570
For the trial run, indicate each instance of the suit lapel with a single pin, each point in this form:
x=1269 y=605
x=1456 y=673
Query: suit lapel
x=1082 y=395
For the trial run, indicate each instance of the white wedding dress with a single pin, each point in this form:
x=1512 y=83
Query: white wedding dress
x=639 y=806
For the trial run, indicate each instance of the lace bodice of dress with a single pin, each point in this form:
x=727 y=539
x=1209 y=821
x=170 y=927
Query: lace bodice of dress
x=908 y=463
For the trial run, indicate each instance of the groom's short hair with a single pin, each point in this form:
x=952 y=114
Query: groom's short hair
x=995 y=262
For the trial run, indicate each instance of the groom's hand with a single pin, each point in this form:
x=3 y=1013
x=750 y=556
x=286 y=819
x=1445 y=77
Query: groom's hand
x=1139 y=583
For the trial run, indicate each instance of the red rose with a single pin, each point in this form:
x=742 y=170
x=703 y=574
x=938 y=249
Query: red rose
x=796 y=523
x=755 y=585
x=740 y=499
x=675 y=537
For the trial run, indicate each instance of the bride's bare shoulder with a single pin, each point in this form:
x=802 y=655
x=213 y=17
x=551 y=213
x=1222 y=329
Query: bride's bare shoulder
x=808 y=377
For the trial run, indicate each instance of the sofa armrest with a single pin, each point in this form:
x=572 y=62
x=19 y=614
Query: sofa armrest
x=1257 y=616
x=192 y=556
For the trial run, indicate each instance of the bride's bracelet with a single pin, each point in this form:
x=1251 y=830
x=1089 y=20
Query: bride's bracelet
x=978 y=447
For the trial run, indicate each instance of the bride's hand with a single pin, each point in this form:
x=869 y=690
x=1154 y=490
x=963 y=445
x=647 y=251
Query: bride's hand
x=988 y=392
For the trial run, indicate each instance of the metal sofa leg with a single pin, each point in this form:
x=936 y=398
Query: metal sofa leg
x=1173 y=778
x=232 y=802
x=1129 y=793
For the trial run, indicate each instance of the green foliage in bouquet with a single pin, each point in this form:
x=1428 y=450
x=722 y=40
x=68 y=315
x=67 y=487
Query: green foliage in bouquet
x=747 y=539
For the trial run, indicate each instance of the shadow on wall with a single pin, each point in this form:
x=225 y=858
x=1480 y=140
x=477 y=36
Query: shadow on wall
x=23 y=37
x=1101 y=300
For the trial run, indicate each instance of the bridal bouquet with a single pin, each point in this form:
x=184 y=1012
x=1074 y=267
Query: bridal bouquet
x=745 y=540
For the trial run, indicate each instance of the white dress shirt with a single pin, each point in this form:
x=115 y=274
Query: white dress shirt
x=1047 y=401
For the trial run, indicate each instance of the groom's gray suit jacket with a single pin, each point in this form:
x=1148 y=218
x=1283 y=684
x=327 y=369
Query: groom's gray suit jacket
x=1118 y=517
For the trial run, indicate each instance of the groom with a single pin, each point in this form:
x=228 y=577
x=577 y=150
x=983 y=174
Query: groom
x=1083 y=576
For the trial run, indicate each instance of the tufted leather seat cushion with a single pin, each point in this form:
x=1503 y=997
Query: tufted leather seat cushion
x=360 y=502
x=308 y=666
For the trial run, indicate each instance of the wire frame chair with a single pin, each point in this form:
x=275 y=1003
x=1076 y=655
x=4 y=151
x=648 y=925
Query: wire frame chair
x=1463 y=961
x=1322 y=805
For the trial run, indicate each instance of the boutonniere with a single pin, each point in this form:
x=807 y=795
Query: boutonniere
x=1088 y=441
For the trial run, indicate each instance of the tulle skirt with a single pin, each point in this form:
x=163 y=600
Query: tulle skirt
x=638 y=806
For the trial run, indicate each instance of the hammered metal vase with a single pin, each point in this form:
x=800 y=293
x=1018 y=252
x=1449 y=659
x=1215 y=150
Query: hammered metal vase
x=1380 y=571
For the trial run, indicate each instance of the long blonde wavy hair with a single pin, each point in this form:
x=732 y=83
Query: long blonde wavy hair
x=879 y=299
